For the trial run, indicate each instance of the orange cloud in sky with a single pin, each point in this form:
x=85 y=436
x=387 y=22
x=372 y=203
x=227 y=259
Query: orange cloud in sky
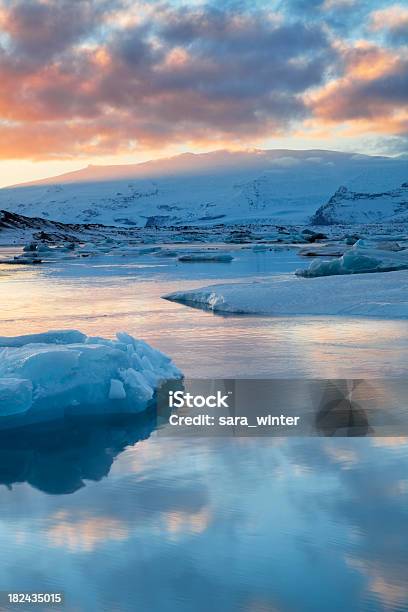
x=392 y=17
x=369 y=97
x=93 y=79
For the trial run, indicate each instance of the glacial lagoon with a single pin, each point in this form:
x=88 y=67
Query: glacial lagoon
x=121 y=518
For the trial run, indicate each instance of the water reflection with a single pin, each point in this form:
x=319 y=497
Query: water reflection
x=370 y=503
x=127 y=297
x=58 y=457
x=214 y=524
x=121 y=519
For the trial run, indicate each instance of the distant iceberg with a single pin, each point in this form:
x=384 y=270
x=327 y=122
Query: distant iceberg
x=61 y=370
x=206 y=257
x=363 y=257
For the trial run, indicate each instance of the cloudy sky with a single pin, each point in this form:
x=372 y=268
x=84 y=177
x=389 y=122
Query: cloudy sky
x=121 y=81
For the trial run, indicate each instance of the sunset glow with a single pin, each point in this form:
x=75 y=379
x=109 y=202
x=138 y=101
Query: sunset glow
x=97 y=81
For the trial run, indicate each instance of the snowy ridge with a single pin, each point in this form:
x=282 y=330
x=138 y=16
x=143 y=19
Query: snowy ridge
x=20 y=228
x=275 y=186
x=347 y=206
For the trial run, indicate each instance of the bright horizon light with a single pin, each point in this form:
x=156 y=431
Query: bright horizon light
x=125 y=82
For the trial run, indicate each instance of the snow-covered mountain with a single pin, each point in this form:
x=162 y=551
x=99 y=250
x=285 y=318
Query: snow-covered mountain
x=347 y=206
x=277 y=185
x=19 y=229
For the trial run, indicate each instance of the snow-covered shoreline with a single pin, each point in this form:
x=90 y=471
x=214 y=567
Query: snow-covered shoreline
x=368 y=295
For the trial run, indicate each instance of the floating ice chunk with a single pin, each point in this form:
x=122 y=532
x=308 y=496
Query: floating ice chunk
x=16 y=396
x=383 y=245
x=57 y=370
x=362 y=257
x=44 y=248
x=351 y=239
x=204 y=257
x=166 y=253
x=22 y=260
x=138 y=383
x=65 y=336
x=322 y=250
x=361 y=295
x=30 y=248
x=117 y=390
x=259 y=248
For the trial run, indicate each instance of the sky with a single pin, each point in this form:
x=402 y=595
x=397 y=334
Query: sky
x=122 y=81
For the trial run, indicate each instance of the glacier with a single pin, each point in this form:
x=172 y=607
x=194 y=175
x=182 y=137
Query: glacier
x=282 y=186
x=60 y=371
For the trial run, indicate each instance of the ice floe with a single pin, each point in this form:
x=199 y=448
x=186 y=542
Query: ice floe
x=60 y=370
x=206 y=257
x=64 y=336
x=378 y=294
x=363 y=257
x=322 y=250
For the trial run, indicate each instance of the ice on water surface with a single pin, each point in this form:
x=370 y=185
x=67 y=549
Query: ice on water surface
x=66 y=369
x=364 y=256
x=379 y=295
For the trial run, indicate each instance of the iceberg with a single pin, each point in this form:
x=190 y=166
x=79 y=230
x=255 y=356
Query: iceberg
x=206 y=257
x=363 y=257
x=379 y=295
x=16 y=394
x=260 y=248
x=322 y=250
x=65 y=336
x=66 y=370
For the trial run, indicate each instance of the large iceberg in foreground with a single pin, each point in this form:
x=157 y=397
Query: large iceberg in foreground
x=364 y=256
x=66 y=369
x=384 y=295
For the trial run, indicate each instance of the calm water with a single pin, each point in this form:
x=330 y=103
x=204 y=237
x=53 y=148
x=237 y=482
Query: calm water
x=121 y=519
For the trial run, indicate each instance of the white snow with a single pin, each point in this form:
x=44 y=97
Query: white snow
x=378 y=294
x=367 y=206
x=56 y=370
x=364 y=256
x=221 y=186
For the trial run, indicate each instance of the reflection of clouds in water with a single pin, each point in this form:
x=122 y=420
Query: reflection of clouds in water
x=392 y=592
x=371 y=499
x=391 y=441
x=83 y=534
x=342 y=347
x=346 y=457
x=59 y=457
x=182 y=524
